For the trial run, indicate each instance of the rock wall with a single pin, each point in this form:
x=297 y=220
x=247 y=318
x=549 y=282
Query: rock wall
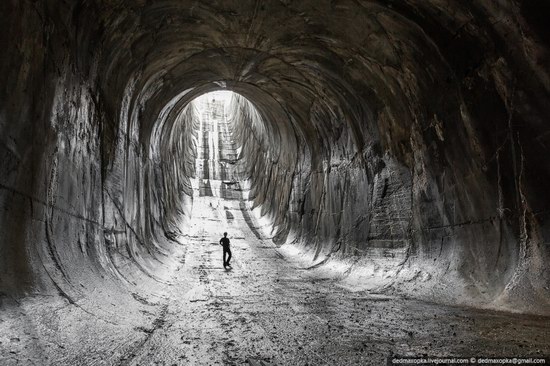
x=405 y=138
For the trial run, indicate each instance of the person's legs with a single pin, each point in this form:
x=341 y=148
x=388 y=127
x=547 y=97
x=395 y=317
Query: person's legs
x=228 y=257
x=226 y=252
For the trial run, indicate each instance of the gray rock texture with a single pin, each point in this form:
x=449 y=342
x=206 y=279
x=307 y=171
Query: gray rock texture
x=403 y=141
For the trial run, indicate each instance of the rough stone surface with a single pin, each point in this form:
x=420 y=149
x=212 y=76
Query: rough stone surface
x=400 y=146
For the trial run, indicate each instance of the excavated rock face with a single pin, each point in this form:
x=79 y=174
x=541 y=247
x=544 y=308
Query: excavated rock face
x=405 y=138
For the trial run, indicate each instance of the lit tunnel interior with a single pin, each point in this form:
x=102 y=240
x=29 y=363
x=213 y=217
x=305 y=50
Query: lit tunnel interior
x=394 y=147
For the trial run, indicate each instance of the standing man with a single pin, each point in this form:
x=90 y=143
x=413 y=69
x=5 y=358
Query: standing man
x=224 y=242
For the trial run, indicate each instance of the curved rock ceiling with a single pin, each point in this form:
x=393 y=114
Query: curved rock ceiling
x=408 y=139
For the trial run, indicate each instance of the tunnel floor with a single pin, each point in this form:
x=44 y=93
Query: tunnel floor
x=267 y=310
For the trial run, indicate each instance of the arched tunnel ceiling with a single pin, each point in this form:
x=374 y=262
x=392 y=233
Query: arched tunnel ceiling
x=386 y=55
x=406 y=139
x=393 y=77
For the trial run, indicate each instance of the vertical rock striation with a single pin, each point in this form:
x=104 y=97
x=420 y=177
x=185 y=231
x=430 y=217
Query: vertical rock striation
x=404 y=138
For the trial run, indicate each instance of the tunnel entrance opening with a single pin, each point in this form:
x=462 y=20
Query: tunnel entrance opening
x=216 y=148
x=206 y=145
x=225 y=125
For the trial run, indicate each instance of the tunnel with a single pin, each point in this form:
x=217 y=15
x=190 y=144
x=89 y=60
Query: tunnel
x=380 y=166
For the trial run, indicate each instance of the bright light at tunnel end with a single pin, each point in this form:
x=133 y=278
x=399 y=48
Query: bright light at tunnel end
x=224 y=96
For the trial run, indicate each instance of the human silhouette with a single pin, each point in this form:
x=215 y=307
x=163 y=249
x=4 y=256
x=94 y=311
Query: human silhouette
x=224 y=242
